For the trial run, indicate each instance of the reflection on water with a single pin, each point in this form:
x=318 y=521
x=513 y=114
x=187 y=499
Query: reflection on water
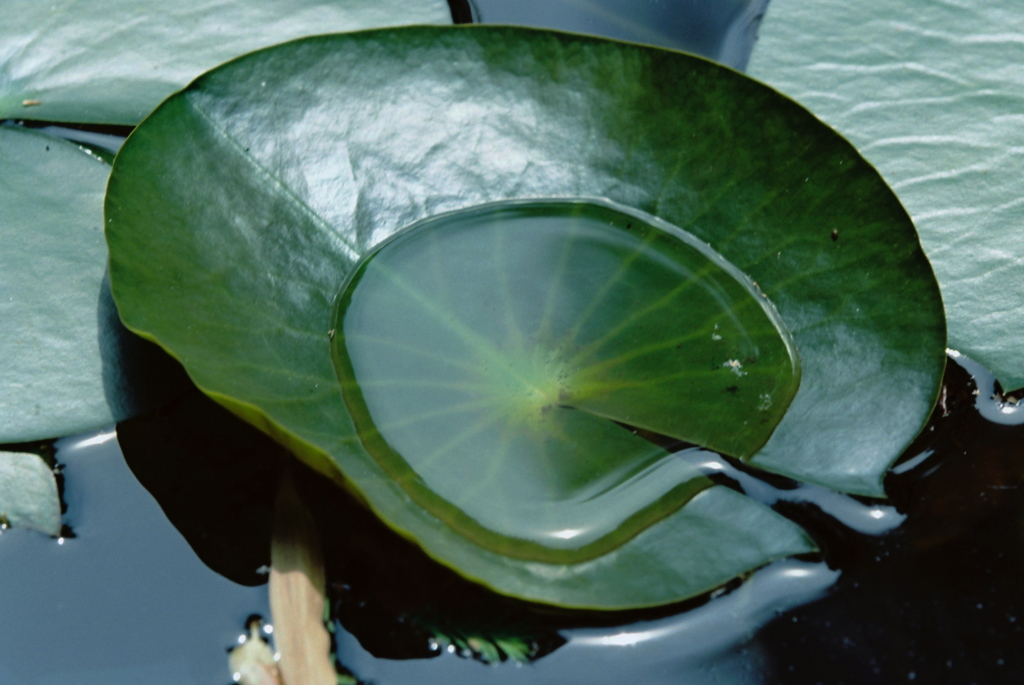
x=1008 y=411
x=723 y=30
x=681 y=648
x=869 y=518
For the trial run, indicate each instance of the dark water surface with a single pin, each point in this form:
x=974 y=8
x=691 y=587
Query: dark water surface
x=923 y=587
x=125 y=600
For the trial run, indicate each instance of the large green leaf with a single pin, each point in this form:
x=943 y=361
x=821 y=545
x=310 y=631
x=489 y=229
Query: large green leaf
x=28 y=493
x=112 y=61
x=500 y=408
x=68 y=363
x=932 y=94
x=235 y=212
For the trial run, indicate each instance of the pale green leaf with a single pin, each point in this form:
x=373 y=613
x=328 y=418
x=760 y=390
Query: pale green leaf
x=112 y=61
x=932 y=93
x=28 y=493
x=68 y=363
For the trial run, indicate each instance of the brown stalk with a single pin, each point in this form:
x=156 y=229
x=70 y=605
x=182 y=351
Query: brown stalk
x=297 y=592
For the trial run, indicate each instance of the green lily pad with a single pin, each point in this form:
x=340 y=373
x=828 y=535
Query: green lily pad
x=238 y=208
x=931 y=93
x=580 y=318
x=68 y=364
x=112 y=62
x=28 y=493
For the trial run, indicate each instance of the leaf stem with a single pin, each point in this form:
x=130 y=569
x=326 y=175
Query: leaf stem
x=297 y=592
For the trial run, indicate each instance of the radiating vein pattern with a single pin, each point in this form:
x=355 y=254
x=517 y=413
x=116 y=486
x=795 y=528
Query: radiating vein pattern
x=495 y=359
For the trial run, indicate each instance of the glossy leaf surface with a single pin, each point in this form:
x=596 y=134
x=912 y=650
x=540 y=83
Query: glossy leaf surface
x=932 y=94
x=112 y=61
x=490 y=357
x=68 y=363
x=235 y=212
